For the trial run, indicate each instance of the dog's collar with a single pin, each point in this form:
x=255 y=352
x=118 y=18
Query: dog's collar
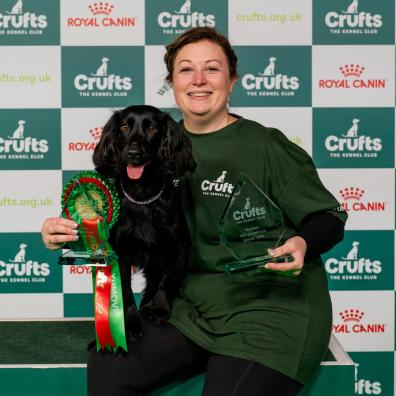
x=147 y=201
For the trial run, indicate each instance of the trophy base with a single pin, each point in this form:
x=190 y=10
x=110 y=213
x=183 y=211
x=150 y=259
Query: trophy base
x=258 y=264
x=71 y=257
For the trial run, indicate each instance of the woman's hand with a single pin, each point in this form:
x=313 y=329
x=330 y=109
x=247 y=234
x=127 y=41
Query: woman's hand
x=57 y=231
x=296 y=246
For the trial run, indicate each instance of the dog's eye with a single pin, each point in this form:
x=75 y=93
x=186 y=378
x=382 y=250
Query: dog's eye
x=124 y=128
x=152 y=130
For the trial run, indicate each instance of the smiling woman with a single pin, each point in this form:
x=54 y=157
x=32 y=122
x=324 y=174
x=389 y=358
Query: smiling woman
x=202 y=84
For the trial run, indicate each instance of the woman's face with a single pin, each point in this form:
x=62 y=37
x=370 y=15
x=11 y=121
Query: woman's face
x=201 y=81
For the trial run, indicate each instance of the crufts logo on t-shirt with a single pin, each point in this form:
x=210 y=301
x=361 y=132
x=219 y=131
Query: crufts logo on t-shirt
x=218 y=187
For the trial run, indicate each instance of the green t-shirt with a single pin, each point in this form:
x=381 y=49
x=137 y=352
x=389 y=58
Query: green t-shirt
x=274 y=320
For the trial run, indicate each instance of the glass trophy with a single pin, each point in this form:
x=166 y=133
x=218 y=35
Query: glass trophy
x=250 y=224
x=91 y=202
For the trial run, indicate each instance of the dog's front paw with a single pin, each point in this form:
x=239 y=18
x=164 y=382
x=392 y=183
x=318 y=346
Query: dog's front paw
x=133 y=325
x=154 y=313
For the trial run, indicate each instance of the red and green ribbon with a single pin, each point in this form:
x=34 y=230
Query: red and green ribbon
x=90 y=189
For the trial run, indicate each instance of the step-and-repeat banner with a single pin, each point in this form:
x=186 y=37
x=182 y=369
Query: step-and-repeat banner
x=322 y=71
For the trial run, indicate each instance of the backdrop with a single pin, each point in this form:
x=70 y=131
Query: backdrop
x=321 y=71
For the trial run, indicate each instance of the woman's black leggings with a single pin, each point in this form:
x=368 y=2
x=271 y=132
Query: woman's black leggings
x=165 y=355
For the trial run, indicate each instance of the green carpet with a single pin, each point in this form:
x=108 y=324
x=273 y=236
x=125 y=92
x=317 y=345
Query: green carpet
x=49 y=342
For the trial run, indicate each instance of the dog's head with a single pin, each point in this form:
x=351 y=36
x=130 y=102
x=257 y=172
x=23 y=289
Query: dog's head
x=142 y=137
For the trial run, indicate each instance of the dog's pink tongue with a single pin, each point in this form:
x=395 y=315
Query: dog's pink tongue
x=135 y=172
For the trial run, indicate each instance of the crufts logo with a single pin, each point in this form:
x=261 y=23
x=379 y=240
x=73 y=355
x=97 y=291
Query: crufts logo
x=248 y=212
x=352 y=323
x=268 y=83
x=352 y=201
x=352 y=266
x=352 y=79
x=18 y=22
x=16 y=146
x=87 y=145
x=350 y=145
x=351 y=21
x=184 y=18
x=218 y=187
x=101 y=83
x=101 y=17
x=19 y=269
x=366 y=387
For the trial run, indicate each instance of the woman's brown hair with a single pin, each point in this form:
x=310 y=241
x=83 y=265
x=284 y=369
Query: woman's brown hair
x=198 y=34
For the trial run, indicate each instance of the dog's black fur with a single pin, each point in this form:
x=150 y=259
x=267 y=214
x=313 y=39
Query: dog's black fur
x=151 y=236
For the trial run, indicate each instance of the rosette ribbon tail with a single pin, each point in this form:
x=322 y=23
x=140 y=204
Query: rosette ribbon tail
x=109 y=308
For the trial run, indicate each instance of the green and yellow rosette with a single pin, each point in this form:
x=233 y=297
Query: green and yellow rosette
x=92 y=201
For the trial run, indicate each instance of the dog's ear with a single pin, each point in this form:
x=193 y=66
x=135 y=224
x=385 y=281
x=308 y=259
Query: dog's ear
x=106 y=155
x=175 y=153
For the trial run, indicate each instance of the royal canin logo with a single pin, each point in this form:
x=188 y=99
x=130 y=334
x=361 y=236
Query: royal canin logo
x=352 y=201
x=101 y=8
x=352 y=74
x=79 y=270
x=78 y=146
x=101 y=17
x=352 y=323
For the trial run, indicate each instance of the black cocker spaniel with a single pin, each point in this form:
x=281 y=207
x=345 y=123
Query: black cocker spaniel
x=143 y=151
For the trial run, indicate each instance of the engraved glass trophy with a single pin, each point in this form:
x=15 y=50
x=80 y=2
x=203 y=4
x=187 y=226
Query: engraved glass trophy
x=250 y=224
x=92 y=202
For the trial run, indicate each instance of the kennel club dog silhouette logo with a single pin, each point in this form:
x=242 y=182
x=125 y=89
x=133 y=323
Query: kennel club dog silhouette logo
x=101 y=83
x=353 y=22
x=352 y=266
x=174 y=17
x=218 y=187
x=268 y=83
x=183 y=18
x=21 y=269
x=248 y=213
x=16 y=145
x=352 y=143
x=20 y=20
x=17 y=9
x=272 y=76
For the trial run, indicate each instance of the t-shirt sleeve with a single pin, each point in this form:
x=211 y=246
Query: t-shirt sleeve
x=296 y=186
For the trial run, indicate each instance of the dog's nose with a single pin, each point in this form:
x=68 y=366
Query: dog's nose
x=134 y=152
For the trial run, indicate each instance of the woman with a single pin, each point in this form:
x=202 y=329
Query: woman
x=253 y=334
